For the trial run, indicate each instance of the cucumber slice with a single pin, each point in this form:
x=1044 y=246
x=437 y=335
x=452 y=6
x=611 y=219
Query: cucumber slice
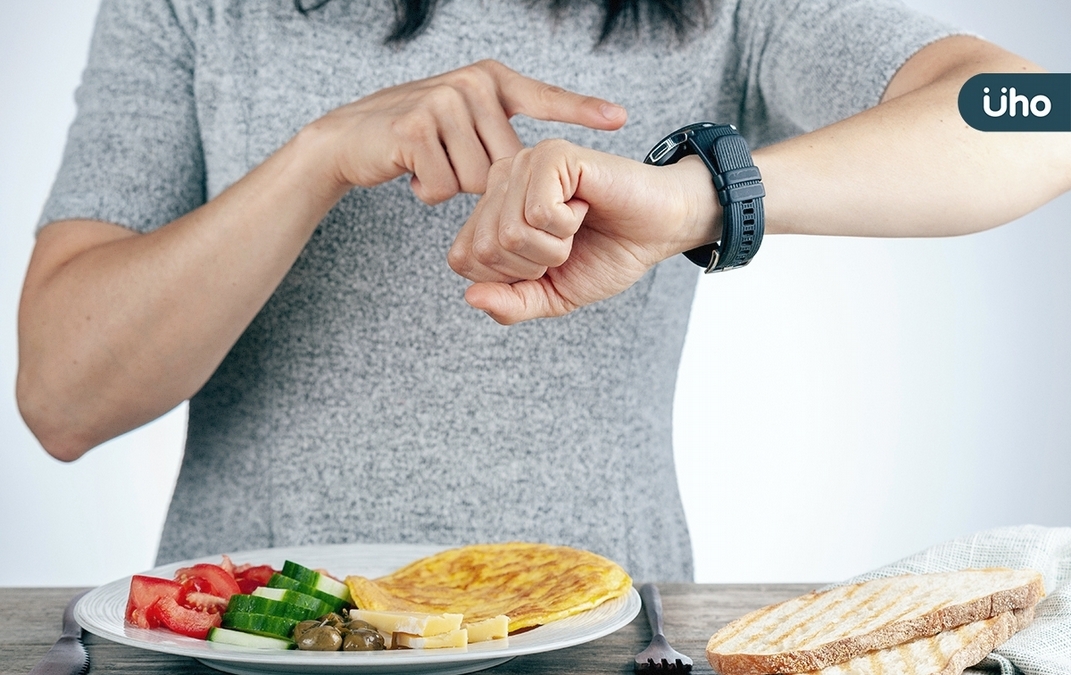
x=315 y=605
x=320 y=582
x=227 y=636
x=285 y=582
x=253 y=604
x=260 y=624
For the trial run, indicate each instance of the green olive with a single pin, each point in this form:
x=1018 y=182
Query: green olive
x=320 y=639
x=303 y=627
x=335 y=620
x=357 y=624
x=362 y=640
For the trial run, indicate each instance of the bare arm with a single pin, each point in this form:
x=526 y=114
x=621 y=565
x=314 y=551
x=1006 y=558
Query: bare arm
x=116 y=328
x=911 y=166
x=562 y=226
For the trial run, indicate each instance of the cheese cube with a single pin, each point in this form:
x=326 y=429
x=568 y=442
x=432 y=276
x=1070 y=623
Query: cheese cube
x=454 y=638
x=489 y=629
x=413 y=623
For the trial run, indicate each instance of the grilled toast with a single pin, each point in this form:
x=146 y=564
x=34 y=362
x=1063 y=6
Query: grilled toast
x=822 y=629
x=947 y=653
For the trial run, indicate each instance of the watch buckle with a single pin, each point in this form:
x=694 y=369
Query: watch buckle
x=714 y=258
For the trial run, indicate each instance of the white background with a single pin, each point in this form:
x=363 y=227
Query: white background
x=842 y=402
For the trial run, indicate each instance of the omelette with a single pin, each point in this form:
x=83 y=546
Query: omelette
x=532 y=584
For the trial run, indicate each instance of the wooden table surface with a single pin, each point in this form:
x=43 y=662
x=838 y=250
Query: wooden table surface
x=30 y=621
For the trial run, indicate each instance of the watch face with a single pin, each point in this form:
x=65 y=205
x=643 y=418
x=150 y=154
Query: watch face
x=674 y=146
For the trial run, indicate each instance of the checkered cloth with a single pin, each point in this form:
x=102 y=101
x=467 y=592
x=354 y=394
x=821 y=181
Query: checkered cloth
x=1044 y=647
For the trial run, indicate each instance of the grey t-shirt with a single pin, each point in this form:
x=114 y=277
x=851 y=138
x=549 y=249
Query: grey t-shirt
x=367 y=402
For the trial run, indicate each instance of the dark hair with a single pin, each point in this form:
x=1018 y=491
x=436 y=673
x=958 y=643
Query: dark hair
x=412 y=16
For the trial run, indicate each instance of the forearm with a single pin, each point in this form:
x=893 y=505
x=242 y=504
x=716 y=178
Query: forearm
x=907 y=167
x=114 y=334
x=911 y=166
x=116 y=329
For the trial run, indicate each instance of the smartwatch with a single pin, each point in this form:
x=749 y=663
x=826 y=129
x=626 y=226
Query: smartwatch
x=739 y=186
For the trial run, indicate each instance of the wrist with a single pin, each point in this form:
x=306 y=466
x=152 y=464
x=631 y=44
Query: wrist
x=738 y=184
x=702 y=220
x=314 y=150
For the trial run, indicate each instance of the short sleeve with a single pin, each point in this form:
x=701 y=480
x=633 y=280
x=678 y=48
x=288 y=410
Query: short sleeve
x=810 y=63
x=133 y=155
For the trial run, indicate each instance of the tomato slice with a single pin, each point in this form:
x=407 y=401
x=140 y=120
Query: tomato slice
x=250 y=578
x=192 y=603
x=204 y=602
x=207 y=578
x=184 y=621
x=227 y=565
x=145 y=594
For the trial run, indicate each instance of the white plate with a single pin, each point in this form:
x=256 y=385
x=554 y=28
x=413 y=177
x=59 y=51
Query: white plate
x=101 y=612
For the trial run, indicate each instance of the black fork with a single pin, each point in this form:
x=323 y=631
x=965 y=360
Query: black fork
x=658 y=655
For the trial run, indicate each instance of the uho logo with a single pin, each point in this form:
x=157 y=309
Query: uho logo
x=1017 y=102
x=1040 y=105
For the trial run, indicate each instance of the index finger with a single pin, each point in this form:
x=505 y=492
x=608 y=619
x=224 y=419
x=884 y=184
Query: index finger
x=523 y=95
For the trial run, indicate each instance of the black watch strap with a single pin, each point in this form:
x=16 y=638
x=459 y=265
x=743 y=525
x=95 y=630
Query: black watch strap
x=739 y=186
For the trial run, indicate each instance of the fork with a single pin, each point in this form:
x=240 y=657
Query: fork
x=658 y=655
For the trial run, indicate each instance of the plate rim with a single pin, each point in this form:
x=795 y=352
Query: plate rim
x=356 y=662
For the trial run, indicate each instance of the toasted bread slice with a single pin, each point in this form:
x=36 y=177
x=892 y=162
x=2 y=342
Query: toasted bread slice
x=947 y=653
x=825 y=628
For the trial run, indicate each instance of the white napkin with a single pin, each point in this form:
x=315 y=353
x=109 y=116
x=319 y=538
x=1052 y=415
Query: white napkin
x=1044 y=647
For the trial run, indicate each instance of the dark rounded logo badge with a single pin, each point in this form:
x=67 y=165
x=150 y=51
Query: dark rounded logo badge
x=1017 y=102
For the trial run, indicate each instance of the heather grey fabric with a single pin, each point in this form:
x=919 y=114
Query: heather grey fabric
x=366 y=401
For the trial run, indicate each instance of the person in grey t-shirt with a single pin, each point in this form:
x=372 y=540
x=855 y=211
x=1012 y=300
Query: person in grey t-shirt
x=257 y=201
